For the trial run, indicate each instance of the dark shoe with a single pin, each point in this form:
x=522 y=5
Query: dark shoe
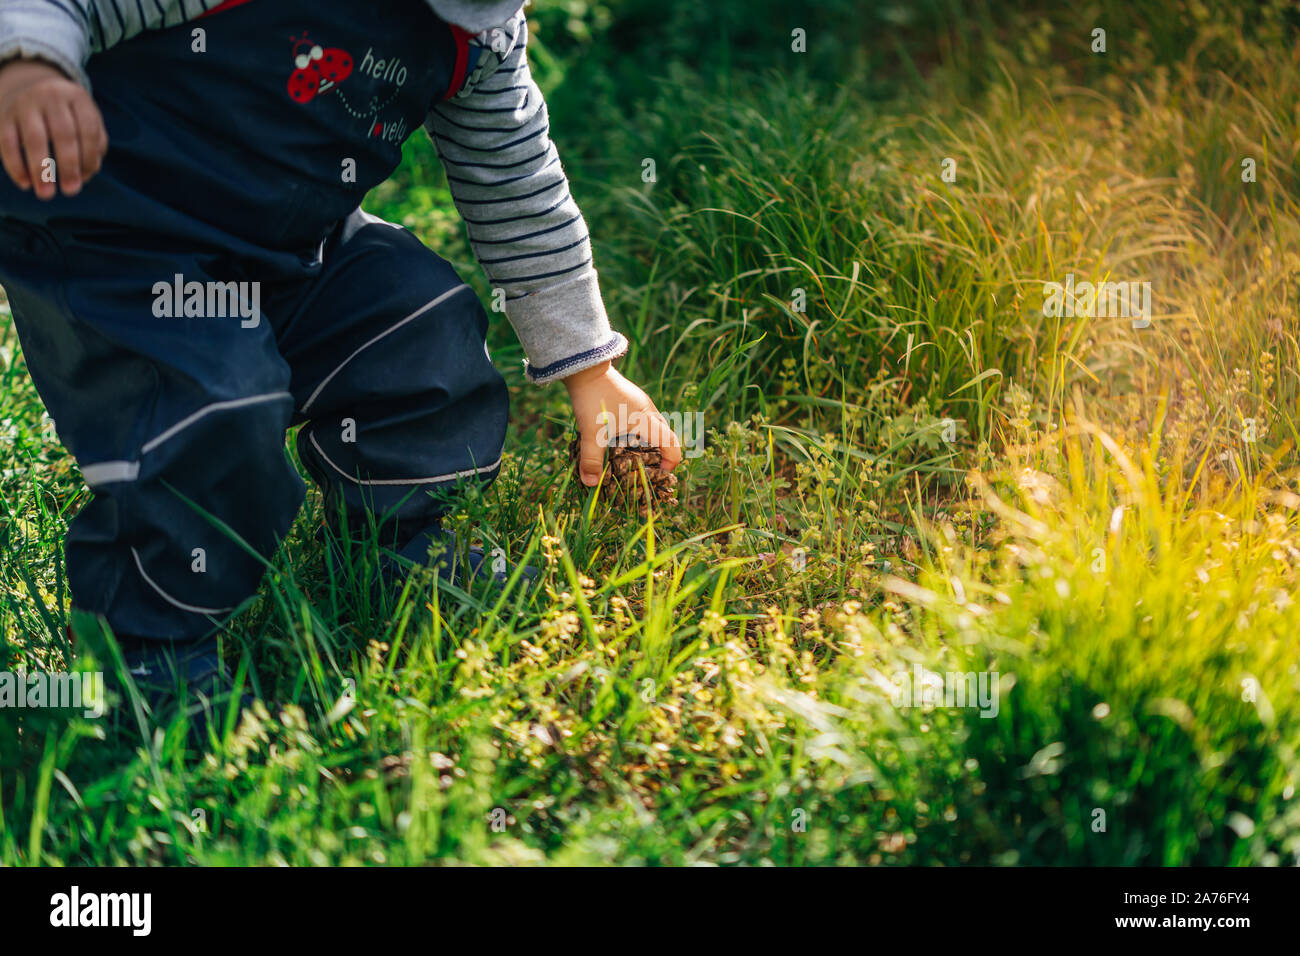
x=432 y=548
x=189 y=677
x=428 y=548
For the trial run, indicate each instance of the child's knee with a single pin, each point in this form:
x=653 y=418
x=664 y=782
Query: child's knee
x=182 y=535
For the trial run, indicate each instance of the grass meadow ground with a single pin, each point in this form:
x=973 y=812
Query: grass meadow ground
x=910 y=469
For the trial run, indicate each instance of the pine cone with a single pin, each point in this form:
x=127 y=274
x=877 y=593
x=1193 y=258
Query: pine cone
x=622 y=484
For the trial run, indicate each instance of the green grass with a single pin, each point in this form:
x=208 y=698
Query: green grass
x=914 y=467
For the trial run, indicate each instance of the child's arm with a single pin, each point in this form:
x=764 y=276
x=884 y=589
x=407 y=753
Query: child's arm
x=529 y=236
x=66 y=32
x=46 y=111
x=525 y=227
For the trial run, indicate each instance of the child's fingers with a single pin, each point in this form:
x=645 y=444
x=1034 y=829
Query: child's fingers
x=67 y=146
x=591 y=459
x=665 y=439
x=11 y=154
x=670 y=449
x=653 y=429
x=36 y=145
x=93 y=136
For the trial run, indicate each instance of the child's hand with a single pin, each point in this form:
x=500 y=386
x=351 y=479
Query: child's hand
x=40 y=106
x=601 y=390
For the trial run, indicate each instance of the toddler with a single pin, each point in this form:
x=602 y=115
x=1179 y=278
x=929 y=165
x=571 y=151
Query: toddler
x=191 y=274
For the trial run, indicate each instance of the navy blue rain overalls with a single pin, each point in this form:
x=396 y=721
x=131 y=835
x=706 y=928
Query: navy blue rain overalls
x=217 y=283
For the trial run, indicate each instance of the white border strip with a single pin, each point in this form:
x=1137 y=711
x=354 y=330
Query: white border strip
x=414 y=315
x=405 y=481
x=171 y=600
x=186 y=422
x=110 y=472
x=119 y=472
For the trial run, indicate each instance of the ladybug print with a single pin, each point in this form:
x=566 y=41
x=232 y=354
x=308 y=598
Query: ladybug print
x=316 y=69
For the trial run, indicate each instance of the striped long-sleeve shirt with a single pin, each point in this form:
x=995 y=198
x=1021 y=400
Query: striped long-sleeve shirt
x=493 y=138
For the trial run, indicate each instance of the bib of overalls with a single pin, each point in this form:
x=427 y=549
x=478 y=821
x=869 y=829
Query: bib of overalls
x=269 y=120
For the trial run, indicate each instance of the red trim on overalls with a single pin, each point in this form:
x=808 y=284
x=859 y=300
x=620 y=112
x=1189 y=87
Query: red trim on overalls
x=462 y=59
x=223 y=6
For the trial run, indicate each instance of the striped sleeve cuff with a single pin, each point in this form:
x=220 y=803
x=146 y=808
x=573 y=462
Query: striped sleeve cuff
x=47 y=32
x=564 y=329
x=616 y=346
